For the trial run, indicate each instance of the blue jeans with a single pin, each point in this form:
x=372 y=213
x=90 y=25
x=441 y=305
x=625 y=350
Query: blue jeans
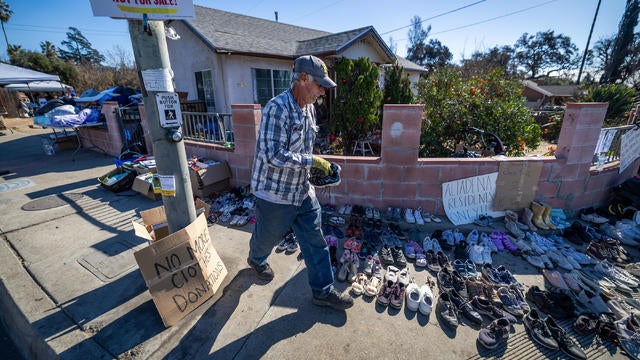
x=273 y=221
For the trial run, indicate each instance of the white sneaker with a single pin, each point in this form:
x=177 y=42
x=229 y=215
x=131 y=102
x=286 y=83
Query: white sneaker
x=426 y=300
x=486 y=255
x=427 y=243
x=435 y=245
x=472 y=237
x=413 y=296
x=417 y=215
x=475 y=254
x=408 y=216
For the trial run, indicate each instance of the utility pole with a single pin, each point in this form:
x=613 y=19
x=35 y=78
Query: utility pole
x=151 y=54
x=586 y=49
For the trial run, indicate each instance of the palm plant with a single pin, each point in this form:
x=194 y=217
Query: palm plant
x=5 y=15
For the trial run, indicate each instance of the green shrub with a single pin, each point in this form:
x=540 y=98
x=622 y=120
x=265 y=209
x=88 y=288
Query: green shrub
x=620 y=98
x=490 y=103
x=358 y=97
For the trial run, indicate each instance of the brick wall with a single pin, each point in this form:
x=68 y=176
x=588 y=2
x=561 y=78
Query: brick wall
x=109 y=139
x=399 y=178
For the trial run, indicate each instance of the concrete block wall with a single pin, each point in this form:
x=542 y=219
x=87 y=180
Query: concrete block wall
x=399 y=178
x=108 y=140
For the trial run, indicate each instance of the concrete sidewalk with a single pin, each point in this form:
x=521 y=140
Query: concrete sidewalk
x=70 y=286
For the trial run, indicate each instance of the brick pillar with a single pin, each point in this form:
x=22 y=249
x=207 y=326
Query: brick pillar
x=401 y=134
x=580 y=131
x=246 y=123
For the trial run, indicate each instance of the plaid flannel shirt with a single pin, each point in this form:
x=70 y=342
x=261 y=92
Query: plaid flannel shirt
x=284 y=151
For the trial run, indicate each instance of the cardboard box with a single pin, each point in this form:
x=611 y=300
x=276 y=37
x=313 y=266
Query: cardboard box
x=156 y=219
x=210 y=180
x=142 y=184
x=182 y=270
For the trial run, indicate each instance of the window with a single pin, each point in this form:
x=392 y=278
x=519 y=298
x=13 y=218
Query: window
x=204 y=84
x=269 y=83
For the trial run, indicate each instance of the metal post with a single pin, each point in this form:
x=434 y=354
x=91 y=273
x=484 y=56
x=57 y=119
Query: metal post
x=586 y=48
x=150 y=51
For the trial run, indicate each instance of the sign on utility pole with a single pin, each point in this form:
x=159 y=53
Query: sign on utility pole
x=161 y=104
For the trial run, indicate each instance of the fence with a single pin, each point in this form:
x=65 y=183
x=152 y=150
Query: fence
x=608 y=146
x=131 y=129
x=207 y=127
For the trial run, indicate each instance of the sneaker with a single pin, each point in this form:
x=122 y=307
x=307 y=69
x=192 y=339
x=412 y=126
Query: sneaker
x=398 y=257
x=628 y=339
x=449 y=238
x=586 y=324
x=421 y=260
x=473 y=237
x=432 y=261
x=399 y=289
x=319 y=180
x=386 y=258
x=494 y=334
x=475 y=254
x=446 y=311
x=408 y=216
x=293 y=245
x=264 y=271
x=566 y=344
x=509 y=302
x=538 y=330
x=334 y=299
x=464 y=307
x=426 y=301
x=417 y=215
x=413 y=296
x=486 y=307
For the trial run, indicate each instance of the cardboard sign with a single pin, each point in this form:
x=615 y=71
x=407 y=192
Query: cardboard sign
x=181 y=270
x=465 y=200
x=518 y=183
x=134 y=9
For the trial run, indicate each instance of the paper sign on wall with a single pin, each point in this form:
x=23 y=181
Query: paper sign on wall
x=629 y=148
x=466 y=199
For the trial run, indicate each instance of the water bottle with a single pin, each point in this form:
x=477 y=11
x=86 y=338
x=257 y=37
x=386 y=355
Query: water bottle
x=47 y=147
x=601 y=160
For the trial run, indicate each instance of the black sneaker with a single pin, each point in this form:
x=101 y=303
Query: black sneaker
x=566 y=344
x=264 y=272
x=538 y=330
x=386 y=258
x=398 y=257
x=464 y=307
x=334 y=299
x=320 y=180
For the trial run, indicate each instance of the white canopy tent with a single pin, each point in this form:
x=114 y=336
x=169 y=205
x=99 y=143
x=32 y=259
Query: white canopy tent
x=38 y=86
x=10 y=74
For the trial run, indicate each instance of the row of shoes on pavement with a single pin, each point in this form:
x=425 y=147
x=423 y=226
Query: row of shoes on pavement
x=392 y=214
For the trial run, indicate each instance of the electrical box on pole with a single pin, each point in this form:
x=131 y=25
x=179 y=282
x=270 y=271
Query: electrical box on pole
x=162 y=107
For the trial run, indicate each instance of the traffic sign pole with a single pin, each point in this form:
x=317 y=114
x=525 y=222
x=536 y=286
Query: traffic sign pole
x=152 y=60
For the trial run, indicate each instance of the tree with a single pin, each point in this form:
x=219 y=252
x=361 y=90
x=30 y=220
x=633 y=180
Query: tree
x=5 y=15
x=67 y=71
x=48 y=49
x=397 y=86
x=481 y=63
x=629 y=70
x=436 y=54
x=416 y=51
x=432 y=54
x=79 y=49
x=545 y=52
x=358 y=97
x=622 y=44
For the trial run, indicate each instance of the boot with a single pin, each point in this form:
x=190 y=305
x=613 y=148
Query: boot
x=527 y=215
x=538 y=210
x=510 y=215
x=546 y=218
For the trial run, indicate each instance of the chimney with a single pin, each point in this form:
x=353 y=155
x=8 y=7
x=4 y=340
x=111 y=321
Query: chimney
x=276 y=15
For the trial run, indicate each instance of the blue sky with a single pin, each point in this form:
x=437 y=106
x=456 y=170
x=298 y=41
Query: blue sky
x=462 y=25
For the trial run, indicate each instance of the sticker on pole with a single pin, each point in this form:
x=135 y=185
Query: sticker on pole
x=169 y=110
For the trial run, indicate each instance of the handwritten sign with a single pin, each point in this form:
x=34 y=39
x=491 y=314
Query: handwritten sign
x=466 y=199
x=629 y=148
x=182 y=270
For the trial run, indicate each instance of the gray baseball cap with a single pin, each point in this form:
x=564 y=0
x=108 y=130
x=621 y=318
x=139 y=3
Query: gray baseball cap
x=315 y=67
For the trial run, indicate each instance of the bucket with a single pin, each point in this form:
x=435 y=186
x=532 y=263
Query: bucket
x=48 y=146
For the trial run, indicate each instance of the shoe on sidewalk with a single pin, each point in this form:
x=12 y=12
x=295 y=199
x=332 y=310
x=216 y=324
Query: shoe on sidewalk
x=264 y=272
x=334 y=299
x=538 y=330
x=494 y=334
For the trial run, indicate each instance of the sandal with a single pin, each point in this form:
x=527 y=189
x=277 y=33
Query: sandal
x=372 y=287
x=358 y=285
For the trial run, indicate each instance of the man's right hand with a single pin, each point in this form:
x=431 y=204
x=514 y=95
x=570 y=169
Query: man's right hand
x=322 y=164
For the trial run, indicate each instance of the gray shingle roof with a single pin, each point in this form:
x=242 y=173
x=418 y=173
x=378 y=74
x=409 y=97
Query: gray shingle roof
x=230 y=32
x=227 y=31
